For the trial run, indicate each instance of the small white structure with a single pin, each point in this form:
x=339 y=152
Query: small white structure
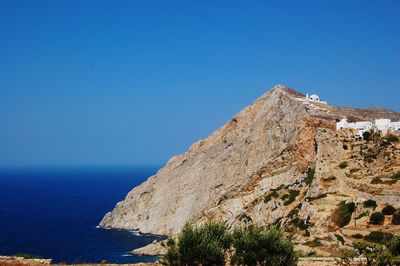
x=395 y=125
x=314 y=98
x=381 y=125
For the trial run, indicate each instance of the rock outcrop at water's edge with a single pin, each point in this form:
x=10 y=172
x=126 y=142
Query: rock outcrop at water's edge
x=276 y=162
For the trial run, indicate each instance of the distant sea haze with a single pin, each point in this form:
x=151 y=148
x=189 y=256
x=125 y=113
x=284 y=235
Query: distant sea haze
x=53 y=213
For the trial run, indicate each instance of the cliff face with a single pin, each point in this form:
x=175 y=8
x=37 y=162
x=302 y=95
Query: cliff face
x=258 y=169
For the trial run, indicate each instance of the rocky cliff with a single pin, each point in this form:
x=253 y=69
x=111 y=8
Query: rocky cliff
x=278 y=161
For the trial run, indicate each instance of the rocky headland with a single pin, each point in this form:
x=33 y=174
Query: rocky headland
x=279 y=161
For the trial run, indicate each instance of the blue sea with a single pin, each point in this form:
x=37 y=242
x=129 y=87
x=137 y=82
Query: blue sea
x=53 y=213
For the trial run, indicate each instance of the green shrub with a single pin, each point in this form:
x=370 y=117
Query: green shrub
x=392 y=138
x=313 y=243
x=273 y=194
x=303 y=224
x=358 y=236
x=369 y=204
x=300 y=223
x=376 y=218
x=366 y=135
x=290 y=197
x=396 y=218
x=205 y=245
x=396 y=176
x=308 y=254
x=394 y=245
x=245 y=218
x=258 y=246
x=310 y=176
x=340 y=238
x=269 y=197
x=342 y=215
x=209 y=245
x=295 y=211
x=384 y=252
x=374 y=254
x=378 y=237
x=388 y=210
x=351 y=207
x=378 y=180
x=371 y=156
x=361 y=215
x=343 y=165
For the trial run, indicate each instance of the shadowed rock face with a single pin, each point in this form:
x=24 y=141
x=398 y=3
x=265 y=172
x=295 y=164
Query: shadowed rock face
x=252 y=170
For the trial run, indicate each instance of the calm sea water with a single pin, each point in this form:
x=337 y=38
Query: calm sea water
x=53 y=213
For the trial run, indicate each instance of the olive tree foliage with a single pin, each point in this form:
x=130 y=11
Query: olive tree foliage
x=205 y=245
x=213 y=244
x=258 y=246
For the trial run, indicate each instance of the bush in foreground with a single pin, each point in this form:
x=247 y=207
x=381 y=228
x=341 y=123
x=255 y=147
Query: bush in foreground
x=257 y=246
x=210 y=244
x=205 y=245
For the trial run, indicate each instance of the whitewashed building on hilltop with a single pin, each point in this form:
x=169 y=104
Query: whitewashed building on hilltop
x=314 y=98
x=382 y=125
x=395 y=125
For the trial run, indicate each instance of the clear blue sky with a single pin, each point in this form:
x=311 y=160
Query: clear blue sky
x=135 y=82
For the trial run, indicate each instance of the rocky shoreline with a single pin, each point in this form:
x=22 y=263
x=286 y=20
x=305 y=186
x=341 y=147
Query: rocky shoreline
x=153 y=249
x=20 y=261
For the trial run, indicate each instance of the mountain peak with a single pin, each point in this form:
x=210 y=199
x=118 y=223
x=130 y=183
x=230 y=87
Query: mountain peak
x=276 y=162
x=284 y=89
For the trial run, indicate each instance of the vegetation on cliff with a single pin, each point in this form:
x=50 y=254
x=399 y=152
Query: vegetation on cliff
x=343 y=213
x=377 y=218
x=374 y=254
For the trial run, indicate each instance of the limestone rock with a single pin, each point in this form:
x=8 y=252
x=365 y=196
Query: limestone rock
x=275 y=162
x=153 y=249
x=15 y=260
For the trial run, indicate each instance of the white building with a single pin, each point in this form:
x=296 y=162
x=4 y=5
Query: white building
x=314 y=98
x=381 y=125
x=395 y=125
